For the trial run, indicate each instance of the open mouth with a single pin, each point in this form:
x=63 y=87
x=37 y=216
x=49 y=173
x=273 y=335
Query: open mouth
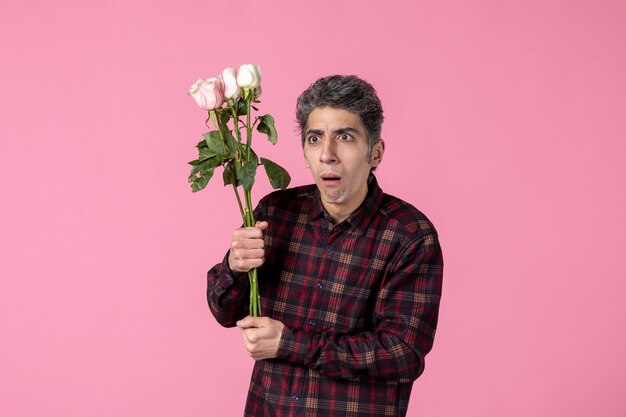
x=330 y=178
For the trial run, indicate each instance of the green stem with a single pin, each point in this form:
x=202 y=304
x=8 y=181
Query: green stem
x=248 y=221
x=251 y=308
x=219 y=128
x=248 y=94
x=255 y=298
x=243 y=214
x=248 y=127
x=248 y=216
x=233 y=111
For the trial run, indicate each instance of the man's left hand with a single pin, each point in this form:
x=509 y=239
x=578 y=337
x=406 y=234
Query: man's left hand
x=261 y=335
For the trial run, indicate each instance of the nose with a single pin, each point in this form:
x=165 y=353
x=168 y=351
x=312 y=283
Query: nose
x=329 y=151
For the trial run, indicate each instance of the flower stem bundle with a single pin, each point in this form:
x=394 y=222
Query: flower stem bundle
x=229 y=100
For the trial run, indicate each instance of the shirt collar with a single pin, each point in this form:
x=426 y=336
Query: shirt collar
x=363 y=215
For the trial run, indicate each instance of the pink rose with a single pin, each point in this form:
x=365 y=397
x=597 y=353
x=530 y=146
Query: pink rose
x=249 y=76
x=231 y=89
x=208 y=93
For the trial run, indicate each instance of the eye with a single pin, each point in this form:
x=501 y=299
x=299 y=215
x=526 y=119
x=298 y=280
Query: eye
x=345 y=137
x=313 y=139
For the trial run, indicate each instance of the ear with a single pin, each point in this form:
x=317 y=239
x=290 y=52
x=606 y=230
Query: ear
x=377 y=153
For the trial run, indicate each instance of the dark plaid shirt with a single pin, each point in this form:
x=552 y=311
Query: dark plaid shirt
x=359 y=301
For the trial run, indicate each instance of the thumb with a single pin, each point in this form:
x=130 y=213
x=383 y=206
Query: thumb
x=247 y=322
x=262 y=225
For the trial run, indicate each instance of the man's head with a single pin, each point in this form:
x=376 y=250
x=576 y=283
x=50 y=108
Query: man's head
x=344 y=92
x=340 y=118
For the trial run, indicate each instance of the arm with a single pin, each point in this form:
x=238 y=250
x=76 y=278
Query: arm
x=405 y=312
x=227 y=294
x=228 y=288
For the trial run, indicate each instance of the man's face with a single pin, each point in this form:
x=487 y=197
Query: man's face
x=335 y=149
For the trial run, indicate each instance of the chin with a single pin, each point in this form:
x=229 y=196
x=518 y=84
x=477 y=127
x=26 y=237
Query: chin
x=334 y=200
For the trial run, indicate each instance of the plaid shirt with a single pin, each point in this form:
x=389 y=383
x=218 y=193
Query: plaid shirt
x=359 y=302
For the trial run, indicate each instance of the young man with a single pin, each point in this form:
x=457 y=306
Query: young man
x=350 y=277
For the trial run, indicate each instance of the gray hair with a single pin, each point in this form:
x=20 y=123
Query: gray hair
x=346 y=92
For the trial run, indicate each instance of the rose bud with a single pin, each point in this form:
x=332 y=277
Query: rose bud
x=231 y=89
x=208 y=93
x=249 y=76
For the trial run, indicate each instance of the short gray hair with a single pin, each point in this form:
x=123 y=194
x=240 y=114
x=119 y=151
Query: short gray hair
x=346 y=92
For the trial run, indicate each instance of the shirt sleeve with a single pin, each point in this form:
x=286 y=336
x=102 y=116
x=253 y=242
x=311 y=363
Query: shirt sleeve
x=227 y=293
x=405 y=318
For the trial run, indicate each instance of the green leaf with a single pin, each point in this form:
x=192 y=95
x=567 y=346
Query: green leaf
x=199 y=183
x=205 y=153
x=278 y=176
x=231 y=142
x=204 y=168
x=214 y=143
x=252 y=165
x=253 y=155
x=195 y=173
x=231 y=171
x=248 y=172
x=194 y=162
x=201 y=145
x=224 y=116
x=242 y=110
x=210 y=163
x=266 y=126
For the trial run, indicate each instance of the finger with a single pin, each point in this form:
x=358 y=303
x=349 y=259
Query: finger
x=244 y=265
x=248 y=244
x=245 y=254
x=254 y=263
x=239 y=255
x=248 y=233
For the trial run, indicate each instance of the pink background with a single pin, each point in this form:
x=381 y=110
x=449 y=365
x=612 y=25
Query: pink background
x=505 y=125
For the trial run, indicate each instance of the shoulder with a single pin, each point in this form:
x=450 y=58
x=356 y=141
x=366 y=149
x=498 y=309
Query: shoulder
x=303 y=193
x=295 y=198
x=406 y=220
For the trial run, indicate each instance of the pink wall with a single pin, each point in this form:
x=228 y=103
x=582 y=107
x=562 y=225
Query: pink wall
x=505 y=124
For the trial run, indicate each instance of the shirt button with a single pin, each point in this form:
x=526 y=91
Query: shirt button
x=296 y=397
x=329 y=249
x=229 y=278
x=320 y=286
x=312 y=322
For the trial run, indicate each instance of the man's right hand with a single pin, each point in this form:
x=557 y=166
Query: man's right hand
x=247 y=248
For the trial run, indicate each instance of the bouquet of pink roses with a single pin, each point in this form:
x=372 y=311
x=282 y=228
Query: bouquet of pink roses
x=229 y=100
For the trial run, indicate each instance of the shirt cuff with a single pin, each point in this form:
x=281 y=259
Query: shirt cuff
x=227 y=278
x=296 y=347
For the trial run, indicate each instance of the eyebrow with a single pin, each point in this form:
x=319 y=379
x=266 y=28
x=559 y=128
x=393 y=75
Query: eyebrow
x=336 y=132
